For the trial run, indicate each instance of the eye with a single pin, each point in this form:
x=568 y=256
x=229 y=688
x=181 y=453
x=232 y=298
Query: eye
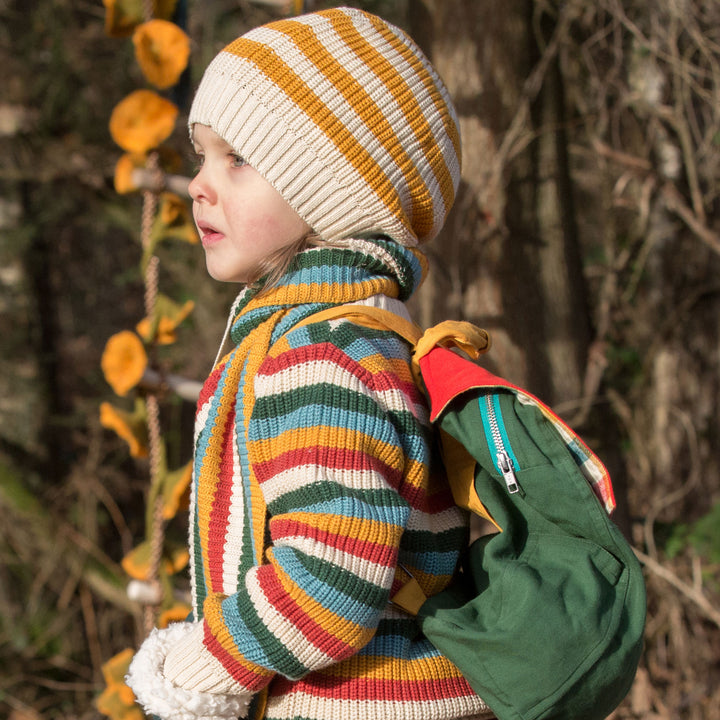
x=237 y=160
x=197 y=162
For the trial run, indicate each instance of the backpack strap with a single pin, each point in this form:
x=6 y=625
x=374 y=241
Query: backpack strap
x=370 y=316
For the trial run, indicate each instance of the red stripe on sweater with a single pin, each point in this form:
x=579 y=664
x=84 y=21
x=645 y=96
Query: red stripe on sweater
x=286 y=526
x=251 y=680
x=392 y=690
x=289 y=608
x=349 y=459
x=210 y=386
x=315 y=352
x=220 y=508
x=383 y=379
x=432 y=502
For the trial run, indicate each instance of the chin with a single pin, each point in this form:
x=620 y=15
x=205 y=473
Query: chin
x=223 y=275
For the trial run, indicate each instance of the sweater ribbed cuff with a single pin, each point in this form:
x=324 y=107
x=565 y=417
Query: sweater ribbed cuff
x=190 y=665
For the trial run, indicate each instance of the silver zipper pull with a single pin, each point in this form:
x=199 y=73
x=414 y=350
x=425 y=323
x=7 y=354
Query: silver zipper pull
x=505 y=464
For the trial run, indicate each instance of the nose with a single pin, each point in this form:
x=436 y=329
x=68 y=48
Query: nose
x=200 y=187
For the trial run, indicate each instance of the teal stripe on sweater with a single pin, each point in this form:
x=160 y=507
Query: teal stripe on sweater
x=252 y=637
x=340 y=591
x=316 y=415
x=328 y=494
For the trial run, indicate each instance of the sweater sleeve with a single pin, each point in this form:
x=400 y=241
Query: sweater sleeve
x=325 y=444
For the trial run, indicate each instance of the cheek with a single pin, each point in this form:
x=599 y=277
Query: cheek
x=275 y=225
x=289 y=222
x=264 y=229
x=260 y=217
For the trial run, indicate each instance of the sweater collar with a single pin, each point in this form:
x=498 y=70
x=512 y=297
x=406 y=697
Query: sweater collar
x=324 y=276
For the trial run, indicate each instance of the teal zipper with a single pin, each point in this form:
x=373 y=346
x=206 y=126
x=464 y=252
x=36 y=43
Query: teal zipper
x=505 y=461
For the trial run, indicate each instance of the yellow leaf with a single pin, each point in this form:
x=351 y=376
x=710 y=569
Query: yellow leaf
x=172 y=222
x=175 y=491
x=168 y=316
x=122 y=16
x=137 y=562
x=117 y=701
x=141 y=121
x=164 y=8
x=177 y=613
x=115 y=669
x=113 y=702
x=125 y=694
x=131 y=427
x=123 y=361
x=174 y=219
x=124 y=168
x=162 y=50
x=169 y=161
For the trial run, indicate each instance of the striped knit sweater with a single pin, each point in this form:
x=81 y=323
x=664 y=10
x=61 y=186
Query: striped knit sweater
x=312 y=483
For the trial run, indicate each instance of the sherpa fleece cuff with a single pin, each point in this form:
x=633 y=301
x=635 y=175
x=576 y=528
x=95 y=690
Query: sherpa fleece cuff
x=160 y=696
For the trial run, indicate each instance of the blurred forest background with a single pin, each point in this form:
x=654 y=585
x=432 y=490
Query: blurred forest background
x=586 y=239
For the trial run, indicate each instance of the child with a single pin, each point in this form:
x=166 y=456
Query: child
x=328 y=150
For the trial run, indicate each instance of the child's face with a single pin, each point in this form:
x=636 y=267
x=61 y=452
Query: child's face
x=240 y=216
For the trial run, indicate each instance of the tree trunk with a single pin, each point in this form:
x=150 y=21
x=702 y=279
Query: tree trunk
x=508 y=258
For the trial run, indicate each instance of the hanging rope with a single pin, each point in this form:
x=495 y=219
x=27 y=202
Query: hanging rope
x=151 y=401
x=148 y=10
x=158 y=529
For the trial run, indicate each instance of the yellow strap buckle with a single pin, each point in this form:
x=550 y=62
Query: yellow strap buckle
x=410 y=597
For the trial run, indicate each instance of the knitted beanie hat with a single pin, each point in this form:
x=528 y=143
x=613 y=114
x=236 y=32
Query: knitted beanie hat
x=345 y=116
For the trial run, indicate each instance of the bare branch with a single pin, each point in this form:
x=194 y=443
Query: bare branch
x=153 y=381
x=148 y=179
x=675 y=203
x=703 y=604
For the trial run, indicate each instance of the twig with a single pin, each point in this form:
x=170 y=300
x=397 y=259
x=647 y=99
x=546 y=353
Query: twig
x=91 y=629
x=710 y=611
x=595 y=367
x=90 y=474
x=511 y=143
x=108 y=591
x=155 y=182
x=683 y=490
x=674 y=202
x=63 y=686
x=673 y=199
x=622 y=158
x=623 y=410
x=22 y=708
x=66 y=529
x=156 y=383
x=677 y=119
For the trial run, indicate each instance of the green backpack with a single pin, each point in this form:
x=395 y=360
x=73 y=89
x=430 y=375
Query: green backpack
x=546 y=617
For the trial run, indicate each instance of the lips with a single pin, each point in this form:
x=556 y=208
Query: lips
x=209 y=235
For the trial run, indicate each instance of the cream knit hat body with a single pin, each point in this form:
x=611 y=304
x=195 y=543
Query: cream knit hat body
x=345 y=116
